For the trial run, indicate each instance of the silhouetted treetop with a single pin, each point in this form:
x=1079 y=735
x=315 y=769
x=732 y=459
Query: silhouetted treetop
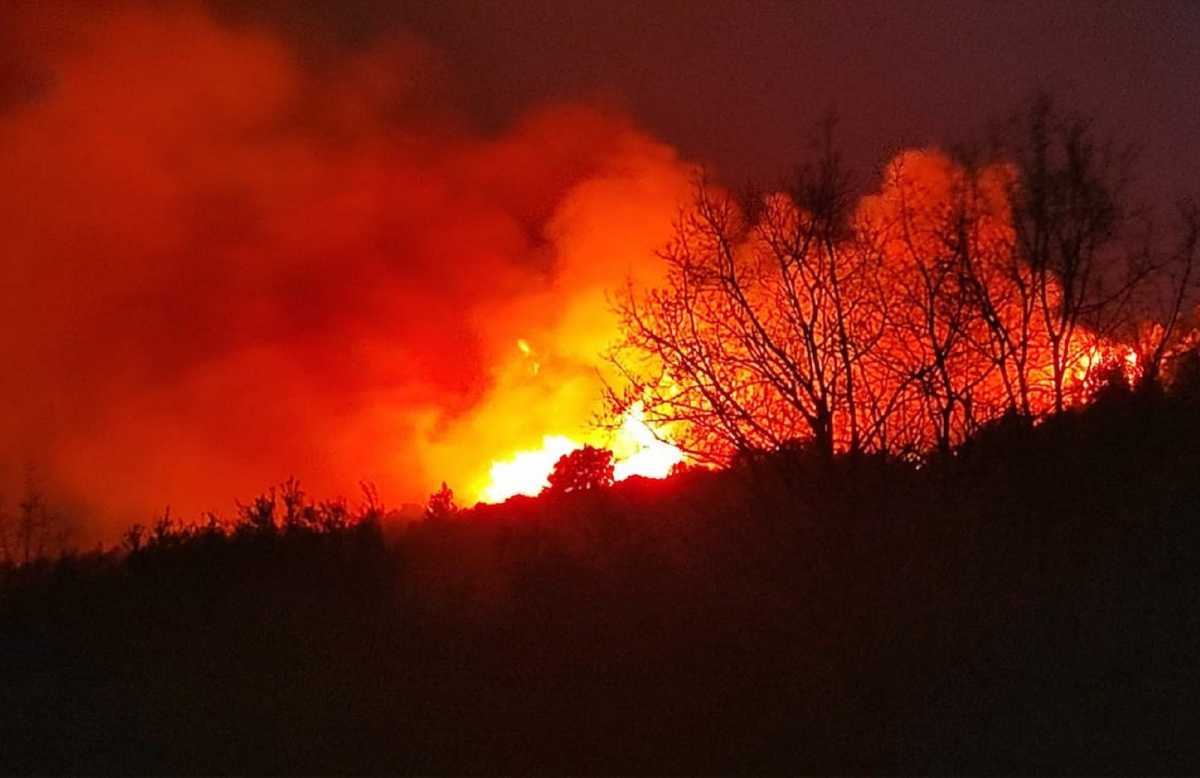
x=581 y=470
x=441 y=504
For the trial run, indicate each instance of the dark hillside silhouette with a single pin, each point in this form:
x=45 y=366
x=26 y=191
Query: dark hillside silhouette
x=1026 y=604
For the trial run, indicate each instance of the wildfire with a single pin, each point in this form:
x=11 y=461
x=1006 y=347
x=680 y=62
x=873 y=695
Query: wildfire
x=1087 y=373
x=526 y=472
x=996 y=351
x=637 y=450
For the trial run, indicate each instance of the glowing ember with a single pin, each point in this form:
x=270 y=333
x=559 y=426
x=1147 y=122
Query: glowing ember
x=527 y=350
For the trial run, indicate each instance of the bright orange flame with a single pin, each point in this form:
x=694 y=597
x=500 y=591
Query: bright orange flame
x=544 y=348
x=637 y=450
x=526 y=472
x=1087 y=371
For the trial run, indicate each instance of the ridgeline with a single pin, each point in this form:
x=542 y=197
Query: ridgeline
x=1027 y=604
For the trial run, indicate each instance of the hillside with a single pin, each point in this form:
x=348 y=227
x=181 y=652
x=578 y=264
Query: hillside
x=1029 y=604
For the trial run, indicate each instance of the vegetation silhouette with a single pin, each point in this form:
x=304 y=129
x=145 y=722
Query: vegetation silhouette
x=581 y=470
x=1027 y=604
x=992 y=281
x=441 y=504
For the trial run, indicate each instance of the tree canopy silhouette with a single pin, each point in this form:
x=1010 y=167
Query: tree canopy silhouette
x=582 y=470
x=441 y=504
x=965 y=289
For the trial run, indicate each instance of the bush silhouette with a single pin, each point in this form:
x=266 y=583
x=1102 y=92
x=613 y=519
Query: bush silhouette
x=859 y=615
x=582 y=470
x=441 y=504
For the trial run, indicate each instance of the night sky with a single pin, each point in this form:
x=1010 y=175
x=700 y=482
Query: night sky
x=737 y=84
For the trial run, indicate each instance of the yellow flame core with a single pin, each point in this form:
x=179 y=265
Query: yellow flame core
x=636 y=451
x=1085 y=371
x=526 y=472
x=641 y=450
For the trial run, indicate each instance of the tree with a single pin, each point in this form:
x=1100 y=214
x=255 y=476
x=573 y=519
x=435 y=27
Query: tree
x=964 y=290
x=582 y=470
x=37 y=531
x=761 y=332
x=1168 y=327
x=926 y=228
x=441 y=504
x=998 y=283
x=1069 y=215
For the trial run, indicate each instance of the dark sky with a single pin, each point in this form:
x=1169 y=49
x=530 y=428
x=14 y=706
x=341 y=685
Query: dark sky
x=738 y=84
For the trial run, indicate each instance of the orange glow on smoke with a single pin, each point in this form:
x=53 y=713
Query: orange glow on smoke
x=396 y=251
x=546 y=392
x=430 y=298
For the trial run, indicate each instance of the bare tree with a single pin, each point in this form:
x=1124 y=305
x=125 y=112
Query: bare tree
x=36 y=531
x=1171 y=301
x=901 y=322
x=999 y=285
x=1069 y=212
x=757 y=337
x=926 y=230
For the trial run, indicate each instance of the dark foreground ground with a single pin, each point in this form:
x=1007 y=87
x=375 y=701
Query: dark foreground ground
x=1029 y=606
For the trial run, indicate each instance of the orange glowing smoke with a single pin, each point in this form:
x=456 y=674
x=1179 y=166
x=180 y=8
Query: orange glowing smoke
x=236 y=266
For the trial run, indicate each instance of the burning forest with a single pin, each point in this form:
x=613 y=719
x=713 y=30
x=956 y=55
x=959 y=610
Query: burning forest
x=845 y=428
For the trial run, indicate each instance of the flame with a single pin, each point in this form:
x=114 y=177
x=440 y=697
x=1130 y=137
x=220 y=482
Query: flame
x=637 y=450
x=1086 y=372
x=526 y=472
x=542 y=348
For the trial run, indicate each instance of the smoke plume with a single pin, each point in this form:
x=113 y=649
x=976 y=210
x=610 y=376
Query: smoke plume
x=224 y=265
